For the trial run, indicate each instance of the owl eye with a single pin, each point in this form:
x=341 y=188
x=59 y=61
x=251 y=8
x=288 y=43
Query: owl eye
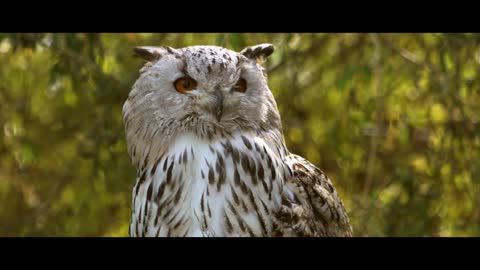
x=185 y=84
x=240 y=86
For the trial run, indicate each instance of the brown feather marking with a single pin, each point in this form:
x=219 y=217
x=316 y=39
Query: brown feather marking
x=166 y=214
x=220 y=169
x=236 y=177
x=165 y=163
x=209 y=211
x=169 y=222
x=265 y=208
x=149 y=191
x=252 y=200
x=137 y=228
x=262 y=223
x=241 y=223
x=235 y=196
x=211 y=175
x=245 y=163
x=253 y=171
x=185 y=156
x=229 y=224
x=231 y=207
x=154 y=168
x=235 y=155
x=246 y=142
x=169 y=172
x=160 y=191
x=178 y=195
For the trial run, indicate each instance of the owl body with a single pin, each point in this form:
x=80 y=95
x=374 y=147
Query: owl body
x=205 y=135
x=201 y=187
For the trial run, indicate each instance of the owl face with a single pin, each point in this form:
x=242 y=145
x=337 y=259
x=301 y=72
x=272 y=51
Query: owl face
x=206 y=85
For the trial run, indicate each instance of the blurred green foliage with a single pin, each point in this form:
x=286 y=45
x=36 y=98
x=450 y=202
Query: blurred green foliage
x=393 y=119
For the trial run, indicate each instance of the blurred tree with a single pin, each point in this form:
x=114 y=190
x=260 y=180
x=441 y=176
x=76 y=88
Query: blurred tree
x=392 y=119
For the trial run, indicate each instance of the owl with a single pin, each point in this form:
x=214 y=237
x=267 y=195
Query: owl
x=205 y=135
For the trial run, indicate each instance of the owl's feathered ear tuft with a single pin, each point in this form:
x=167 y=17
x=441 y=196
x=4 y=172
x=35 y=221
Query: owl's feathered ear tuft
x=150 y=53
x=258 y=52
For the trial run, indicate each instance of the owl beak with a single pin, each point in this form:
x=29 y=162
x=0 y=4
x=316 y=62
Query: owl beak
x=218 y=94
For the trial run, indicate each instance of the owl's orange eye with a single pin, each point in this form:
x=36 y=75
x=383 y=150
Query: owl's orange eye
x=185 y=84
x=241 y=86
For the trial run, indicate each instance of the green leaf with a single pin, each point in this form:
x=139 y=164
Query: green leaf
x=345 y=77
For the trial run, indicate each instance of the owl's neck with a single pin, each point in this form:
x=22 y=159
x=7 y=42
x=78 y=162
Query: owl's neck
x=202 y=187
x=145 y=140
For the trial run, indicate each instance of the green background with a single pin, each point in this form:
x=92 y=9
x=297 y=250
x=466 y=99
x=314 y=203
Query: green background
x=393 y=119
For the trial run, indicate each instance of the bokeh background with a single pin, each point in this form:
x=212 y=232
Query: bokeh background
x=393 y=119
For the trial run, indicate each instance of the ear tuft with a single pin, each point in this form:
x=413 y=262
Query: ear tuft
x=258 y=51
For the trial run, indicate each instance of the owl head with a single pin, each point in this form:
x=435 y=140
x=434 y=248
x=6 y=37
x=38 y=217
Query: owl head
x=207 y=90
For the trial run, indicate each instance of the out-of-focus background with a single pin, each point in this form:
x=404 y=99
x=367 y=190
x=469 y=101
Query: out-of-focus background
x=393 y=119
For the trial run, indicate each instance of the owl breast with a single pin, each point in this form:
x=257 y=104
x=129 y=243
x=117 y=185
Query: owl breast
x=224 y=187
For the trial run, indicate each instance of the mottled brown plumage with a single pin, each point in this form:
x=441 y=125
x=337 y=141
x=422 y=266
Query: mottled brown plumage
x=315 y=209
x=210 y=154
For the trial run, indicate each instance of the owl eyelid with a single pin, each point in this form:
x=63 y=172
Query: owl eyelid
x=184 y=76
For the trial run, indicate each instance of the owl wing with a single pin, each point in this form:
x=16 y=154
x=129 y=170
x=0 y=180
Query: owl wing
x=310 y=204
